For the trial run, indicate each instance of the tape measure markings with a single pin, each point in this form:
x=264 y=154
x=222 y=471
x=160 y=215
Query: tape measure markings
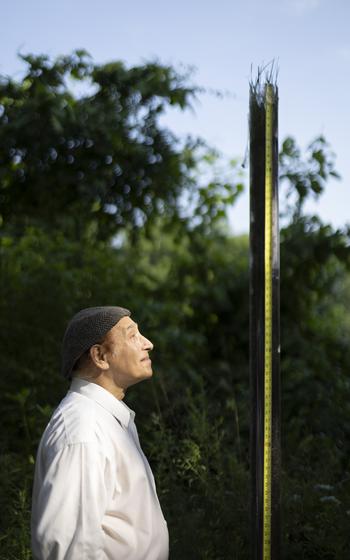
x=269 y=97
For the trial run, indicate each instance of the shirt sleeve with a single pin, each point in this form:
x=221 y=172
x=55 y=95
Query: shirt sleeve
x=69 y=501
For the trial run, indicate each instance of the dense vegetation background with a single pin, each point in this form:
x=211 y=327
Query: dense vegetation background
x=101 y=204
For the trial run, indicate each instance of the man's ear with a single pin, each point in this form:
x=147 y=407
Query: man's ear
x=98 y=356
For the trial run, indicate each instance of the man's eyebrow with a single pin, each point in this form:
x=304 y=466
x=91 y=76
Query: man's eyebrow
x=132 y=326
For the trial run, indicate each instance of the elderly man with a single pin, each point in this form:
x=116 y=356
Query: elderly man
x=94 y=495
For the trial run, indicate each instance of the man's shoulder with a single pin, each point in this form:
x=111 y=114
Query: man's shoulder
x=72 y=422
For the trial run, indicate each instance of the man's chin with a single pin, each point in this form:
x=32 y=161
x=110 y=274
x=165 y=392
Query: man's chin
x=147 y=368
x=148 y=373
x=144 y=374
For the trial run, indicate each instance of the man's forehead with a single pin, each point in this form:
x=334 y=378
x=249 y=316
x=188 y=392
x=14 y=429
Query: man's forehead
x=124 y=325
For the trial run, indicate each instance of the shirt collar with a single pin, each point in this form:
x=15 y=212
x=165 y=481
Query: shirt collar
x=104 y=398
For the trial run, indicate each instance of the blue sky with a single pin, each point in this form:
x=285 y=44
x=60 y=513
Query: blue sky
x=221 y=40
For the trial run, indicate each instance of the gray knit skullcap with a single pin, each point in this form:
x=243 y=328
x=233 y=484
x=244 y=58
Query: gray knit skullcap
x=84 y=330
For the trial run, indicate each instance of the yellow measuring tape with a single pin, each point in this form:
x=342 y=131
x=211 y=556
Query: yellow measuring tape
x=269 y=99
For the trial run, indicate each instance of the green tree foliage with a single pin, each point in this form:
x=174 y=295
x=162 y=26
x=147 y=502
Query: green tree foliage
x=305 y=177
x=93 y=163
x=186 y=280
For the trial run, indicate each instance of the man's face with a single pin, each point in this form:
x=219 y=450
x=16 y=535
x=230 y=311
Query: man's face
x=127 y=353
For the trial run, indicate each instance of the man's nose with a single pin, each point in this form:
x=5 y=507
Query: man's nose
x=147 y=344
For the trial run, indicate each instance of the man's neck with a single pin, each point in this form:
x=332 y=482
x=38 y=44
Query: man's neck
x=106 y=383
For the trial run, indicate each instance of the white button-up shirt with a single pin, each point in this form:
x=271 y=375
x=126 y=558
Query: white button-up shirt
x=94 y=495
